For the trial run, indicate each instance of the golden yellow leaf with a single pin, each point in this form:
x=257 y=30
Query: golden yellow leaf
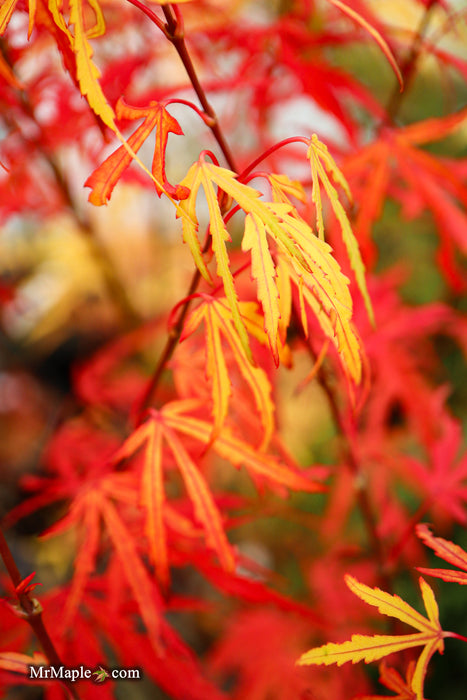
x=263 y=271
x=87 y=72
x=6 y=10
x=218 y=322
x=372 y=648
x=322 y=163
x=310 y=257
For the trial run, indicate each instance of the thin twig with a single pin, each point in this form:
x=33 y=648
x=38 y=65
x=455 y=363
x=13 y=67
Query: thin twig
x=176 y=35
x=169 y=348
x=174 y=31
x=409 y=65
x=352 y=462
x=31 y=611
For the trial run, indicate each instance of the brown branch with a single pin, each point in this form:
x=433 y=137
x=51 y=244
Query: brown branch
x=176 y=35
x=409 y=65
x=174 y=31
x=31 y=611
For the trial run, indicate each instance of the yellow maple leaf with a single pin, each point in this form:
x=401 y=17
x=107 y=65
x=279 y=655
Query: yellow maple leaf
x=322 y=166
x=87 y=72
x=270 y=228
x=372 y=648
x=217 y=318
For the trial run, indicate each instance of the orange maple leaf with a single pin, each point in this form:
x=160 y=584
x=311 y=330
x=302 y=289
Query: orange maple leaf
x=105 y=177
x=162 y=429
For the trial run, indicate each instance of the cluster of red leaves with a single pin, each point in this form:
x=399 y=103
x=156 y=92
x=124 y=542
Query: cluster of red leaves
x=155 y=488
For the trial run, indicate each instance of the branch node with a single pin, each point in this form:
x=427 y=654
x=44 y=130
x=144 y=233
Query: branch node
x=20 y=611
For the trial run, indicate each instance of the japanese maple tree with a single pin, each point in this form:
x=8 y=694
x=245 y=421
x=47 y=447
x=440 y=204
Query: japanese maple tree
x=232 y=281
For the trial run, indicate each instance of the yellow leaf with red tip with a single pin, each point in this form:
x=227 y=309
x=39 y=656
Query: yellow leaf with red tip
x=155 y=116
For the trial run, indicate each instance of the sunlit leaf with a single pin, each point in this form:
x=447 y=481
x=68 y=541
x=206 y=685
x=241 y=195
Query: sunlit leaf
x=366 y=648
x=218 y=322
x=87 y=72
x=323 y=166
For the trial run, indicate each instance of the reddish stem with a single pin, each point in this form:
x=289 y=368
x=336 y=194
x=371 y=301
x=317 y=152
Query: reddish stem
x=30 y=610
x=266 y=154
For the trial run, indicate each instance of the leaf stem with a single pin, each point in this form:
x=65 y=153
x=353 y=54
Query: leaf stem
x=266 y=154
x=30 y=610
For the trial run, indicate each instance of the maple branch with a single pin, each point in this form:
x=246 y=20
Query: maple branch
x=170 y=345
x=351 y=459
x=409 y=64
x=174 y=31
x=31 y=610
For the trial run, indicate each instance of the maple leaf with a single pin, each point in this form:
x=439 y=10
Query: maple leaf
x=446 y=550
x=235 y=450
x=258 y=651
x=217 y=318
x=371 y=648
x=99 y=512
x=444 y=478
x=282 y=188
x=87 y=72
x=101 y=674
x=433 y=183
x=154 y=433
x=323 y=163
x=310 y=256
x=7 y=8
x=161 y=429
x=333 y=312
x=20 y=663
x=392 y=680
x=382 y=43
x=88 y=511
x=105 y=177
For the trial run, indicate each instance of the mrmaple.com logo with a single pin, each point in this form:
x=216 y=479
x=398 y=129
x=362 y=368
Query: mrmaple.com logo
x=99 y=675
